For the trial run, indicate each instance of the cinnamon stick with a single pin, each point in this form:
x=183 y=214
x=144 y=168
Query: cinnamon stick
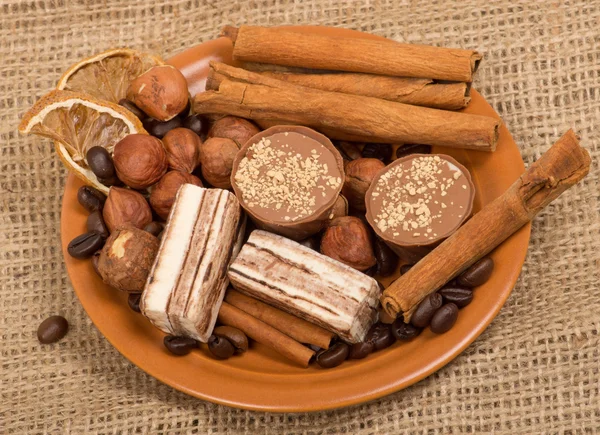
x=297 y=328
x=563 y=165
x=353 y=115
x=416 y=91
x=283 y=46
x=265 y=334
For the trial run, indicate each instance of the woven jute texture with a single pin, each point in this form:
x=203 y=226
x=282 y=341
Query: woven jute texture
x=536 y=369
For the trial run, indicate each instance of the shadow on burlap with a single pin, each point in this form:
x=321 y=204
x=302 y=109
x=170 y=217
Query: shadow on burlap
x=536 y=368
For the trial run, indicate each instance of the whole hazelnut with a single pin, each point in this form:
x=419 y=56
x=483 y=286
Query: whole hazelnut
x=232 y=127
x=216 y=158
x=127 y=258
x=359 y=175
x=140 y=160
x=163 y=193
x=347 y=240
x=182 y=146
x=161 y=92
x=125 y=207
x=340 y=208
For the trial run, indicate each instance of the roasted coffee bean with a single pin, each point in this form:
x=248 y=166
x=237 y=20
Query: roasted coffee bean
x=220 y=347
x=197 y=123
x=404 y=331
x=405 y=268
x=333 y=356
x=179 y=345
x=95 y=224
x=477 y=274
x=100 y=162
x=133 y=300
x=380 y=335
x=379 y=151
x=313 y=243
x=85 y=245
x=52 y=329
x=234 y=335
x=412 y=148
x=444 y=318
x=129 y=105
x=159 y=129
x=313 y=347
x=426 y=309
x=154 y=228
x=349 y=150
x=91 y=198
x=460 y=296
x=371 y=271
x=387 y=260
x=112 y=181
x=361 y=350
x=95 y=259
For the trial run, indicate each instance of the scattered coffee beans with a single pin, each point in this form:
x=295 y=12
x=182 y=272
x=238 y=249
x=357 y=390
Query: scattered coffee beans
x=379 y=151
x=132 y=108
x=52 y=329
x=349 y=150
x=234 y=335
x=412 y=148
x=85 y=245
x=91 y=198
x=444 y=318
x=154 y=228
x=133 y=300
x=460 y=296
x=477 y=274
x=100 y=162
x=95 y=224
x=220 y=347
x=404 y=331
x=159 y=129
x=334 y=356
x=387 y=260
x=380 y=335
x=361 y=350
x=197 y=123
x=425 y=311
x=179 y=345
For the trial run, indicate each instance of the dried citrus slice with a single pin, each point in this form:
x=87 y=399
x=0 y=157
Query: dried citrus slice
x=107 y=75
x=78 y=122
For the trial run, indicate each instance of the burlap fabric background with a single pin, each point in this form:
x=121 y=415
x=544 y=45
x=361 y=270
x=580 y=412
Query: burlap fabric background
x=535 y=369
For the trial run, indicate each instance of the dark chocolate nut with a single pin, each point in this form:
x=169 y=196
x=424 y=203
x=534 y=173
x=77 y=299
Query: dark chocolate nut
x=333 y=356
x=379 y=151
x=380 y=335
x=91 y=198
x=100 y=162
x=405 y=268
x=313 y=243
x=133 y=300
x=85 y=245
x=234 y=335
x=361 y=350
x=412 y=148
x=52 y=329
x=477 y=274
x=404 y=331
x=179 y=345
x=444 y=318
x=95 y=259
x=154 y=228
x=159 y=129
x=197 y=123
x=387 y=260
x=220 y=347
x=459 y=296
x=349 y=150
x=129 y=105
x=425 y=311
x=95 y=224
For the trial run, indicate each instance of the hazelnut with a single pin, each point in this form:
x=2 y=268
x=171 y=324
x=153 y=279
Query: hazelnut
x=216 y=157
x=127 y=259
x=125 y=207
x=340 y=208
x=347 y=240
x=232 y=127
x=163 y=193
x=140 y=160
x=359 y=175
x=161 y=92
x=182 y=146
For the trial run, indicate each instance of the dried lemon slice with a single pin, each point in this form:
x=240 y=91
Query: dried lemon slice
x=78 y=122
x=107 y=75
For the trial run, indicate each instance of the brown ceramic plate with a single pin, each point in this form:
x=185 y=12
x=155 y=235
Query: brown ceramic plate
x=261 y=379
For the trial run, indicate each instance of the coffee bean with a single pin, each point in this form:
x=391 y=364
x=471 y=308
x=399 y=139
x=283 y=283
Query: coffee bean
x=387 y=260
x=112 y=181
x=459 y=296
x=159 y=129
x=129 y=105
x=349 y=150
x=100 y=162
x=91 y=198
x=179 y=345
x=313 y=347
x=477 y=274
x=412 y=148
x=133 y=300
x=234 y=335
x=426 y=309
x=333 y=356
x=313 y=243
x=380 y=335
x=95 y=224
x=85 y=245
x=404 y=331
x=219 y=347
x=405 y=268
x=95 y=259
x=444 y=318
x=52 y=329
x=361 y=350
x=154 y=228
x=379 y=151
x=198 y=124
